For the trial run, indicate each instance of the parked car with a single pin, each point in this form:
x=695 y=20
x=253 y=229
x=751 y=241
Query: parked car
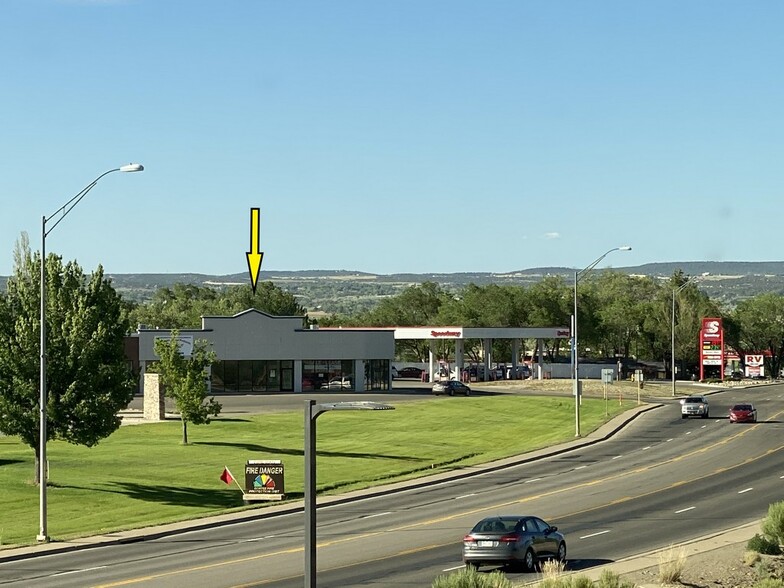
x=514 y=541
x=409 y=372
x=451 y=387
x=694 y=406
x=394 y=373
x=523 y=372
x=743 y=413
x=338 y=384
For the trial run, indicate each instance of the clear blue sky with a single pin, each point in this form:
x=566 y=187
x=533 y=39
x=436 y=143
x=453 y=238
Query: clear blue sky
x=393 y=135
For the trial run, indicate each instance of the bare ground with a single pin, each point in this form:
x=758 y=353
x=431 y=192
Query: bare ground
x=729 y=566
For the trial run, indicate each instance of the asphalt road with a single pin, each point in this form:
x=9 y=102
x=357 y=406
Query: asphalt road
x=660 y=480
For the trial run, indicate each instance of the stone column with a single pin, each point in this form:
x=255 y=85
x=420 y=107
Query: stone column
x=154 y=402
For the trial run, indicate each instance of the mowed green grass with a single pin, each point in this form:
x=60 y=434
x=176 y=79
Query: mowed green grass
x=142 y=475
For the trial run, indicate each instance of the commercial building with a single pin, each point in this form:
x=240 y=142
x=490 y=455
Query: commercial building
x=260 y=353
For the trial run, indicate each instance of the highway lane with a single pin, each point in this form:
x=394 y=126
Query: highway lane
x=613 y=499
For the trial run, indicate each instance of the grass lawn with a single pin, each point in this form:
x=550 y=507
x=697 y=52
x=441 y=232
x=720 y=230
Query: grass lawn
x=142 y=475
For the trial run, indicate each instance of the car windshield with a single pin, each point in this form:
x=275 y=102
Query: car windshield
x=693 y=399
x=742 y=407
x=495 y=525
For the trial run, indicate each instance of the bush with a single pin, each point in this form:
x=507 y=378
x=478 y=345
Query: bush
x=470 y=578
x=671 y=564
x=764 y=545
x=769 y=583
x=610 y=579
x=566 y=582
x=773 y=525
x=751 y=557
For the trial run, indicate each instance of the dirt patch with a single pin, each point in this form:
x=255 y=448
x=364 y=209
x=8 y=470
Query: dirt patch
x=729 y=566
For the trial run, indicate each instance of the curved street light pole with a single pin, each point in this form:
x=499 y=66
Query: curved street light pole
x=575 y=355
x=42 y=399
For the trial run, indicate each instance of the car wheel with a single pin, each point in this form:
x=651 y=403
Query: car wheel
x=529 y=561
x=706 y=415
x=468 y=391
x=562 y=552
x=451 y=392
x=683 y=416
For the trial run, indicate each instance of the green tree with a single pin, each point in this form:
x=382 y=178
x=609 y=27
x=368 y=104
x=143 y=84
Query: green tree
x=88 y=380
x=185 y=380
x=760 y=328
x=183 y=305
x=417 y=306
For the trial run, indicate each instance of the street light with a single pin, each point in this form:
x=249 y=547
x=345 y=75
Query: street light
x=575 y=355
x=312 y=412
x=62 y=212
x=672 y=357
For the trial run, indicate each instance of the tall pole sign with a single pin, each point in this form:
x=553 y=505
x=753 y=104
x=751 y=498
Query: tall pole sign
x=711 y=346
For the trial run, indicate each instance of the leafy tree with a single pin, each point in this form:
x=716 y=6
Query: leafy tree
x=183 y=305
x=88 y=380
x=416 y=306
x=761 y=328
x=185 y=380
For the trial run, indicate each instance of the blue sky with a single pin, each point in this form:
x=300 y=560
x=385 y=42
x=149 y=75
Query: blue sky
x=393 y=135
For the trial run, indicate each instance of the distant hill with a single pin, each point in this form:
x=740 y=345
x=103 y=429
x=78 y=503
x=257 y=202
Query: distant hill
x=345 y=291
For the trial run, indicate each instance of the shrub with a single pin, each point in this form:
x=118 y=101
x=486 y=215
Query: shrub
x=671 y=564
x=770 y=583
x=610 y=579
x=764 y=545
x=773 y=524
x=764 y=570
x=470 y=578
x=751 y=557
x=552 y=568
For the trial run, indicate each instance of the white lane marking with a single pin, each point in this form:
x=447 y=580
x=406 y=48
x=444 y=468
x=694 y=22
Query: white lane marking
x=685 y=509
x=617 y=456
x=258 y=538
x=646 y=448
x=668 y=440
x=378 y=514
x=746 y=490
x=465 y=496
x=453 y=569
x=688 y=432
x=594 y=534
x=78 y=571
x=781 y=477
x=583 y=467
x=532 y=480
x=705 y=426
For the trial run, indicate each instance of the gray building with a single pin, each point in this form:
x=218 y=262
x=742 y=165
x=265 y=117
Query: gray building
x=261 y=353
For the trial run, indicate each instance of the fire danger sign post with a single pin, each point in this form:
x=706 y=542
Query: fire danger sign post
x=264 y=480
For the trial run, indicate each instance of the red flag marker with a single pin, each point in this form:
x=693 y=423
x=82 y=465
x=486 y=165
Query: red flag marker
x=226 y=476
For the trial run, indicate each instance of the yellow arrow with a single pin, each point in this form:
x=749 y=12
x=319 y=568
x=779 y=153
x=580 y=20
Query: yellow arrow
x=254 y=255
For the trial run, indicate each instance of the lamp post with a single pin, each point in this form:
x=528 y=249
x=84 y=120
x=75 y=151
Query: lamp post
x=62 y=212
x=312 y=412
x=672 y=356
x=575 y=355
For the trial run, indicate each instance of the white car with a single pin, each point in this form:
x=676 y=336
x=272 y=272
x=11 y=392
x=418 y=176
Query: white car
x=694 y=406
x=338 y=384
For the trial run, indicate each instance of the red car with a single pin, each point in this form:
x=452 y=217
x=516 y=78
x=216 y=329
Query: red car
x=743 y=413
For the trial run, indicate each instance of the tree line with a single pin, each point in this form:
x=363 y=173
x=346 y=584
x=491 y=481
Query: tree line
x=618 y=316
